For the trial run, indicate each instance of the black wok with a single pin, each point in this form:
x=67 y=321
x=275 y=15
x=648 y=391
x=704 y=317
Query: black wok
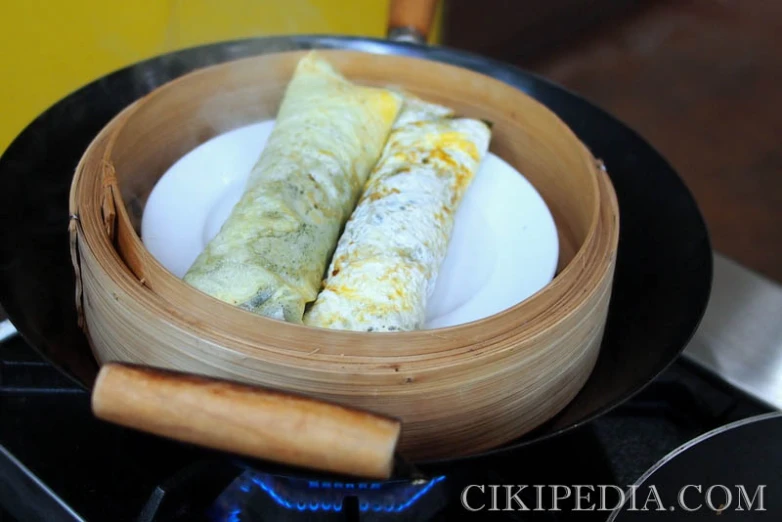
x=663 y=271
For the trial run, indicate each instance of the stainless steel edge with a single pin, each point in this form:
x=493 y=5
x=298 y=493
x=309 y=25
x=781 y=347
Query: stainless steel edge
x=7 y=330
x=740 y=336
x=50 y=508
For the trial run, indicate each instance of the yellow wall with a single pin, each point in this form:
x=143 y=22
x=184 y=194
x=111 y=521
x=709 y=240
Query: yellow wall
x=49 y=48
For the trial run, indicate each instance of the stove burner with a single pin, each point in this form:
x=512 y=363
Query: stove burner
x=259 y=496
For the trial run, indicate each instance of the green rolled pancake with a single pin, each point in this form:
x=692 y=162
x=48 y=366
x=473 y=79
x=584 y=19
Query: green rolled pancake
x=387 y=260
x=270 y=255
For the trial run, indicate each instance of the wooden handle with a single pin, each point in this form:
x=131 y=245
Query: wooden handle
x=245 y=420
x=411 y=15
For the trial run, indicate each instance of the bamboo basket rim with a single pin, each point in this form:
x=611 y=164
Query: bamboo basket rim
x=481 y=333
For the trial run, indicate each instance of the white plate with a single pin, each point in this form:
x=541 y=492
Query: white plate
x=503 y=249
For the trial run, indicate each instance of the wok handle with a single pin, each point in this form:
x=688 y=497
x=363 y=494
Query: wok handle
x=246 y=420
x=411 y=19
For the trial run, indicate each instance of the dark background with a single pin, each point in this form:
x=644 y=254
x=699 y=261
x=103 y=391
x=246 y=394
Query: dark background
x=699 y=79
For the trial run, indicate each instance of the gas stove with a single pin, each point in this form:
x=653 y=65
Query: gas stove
x=59 y=463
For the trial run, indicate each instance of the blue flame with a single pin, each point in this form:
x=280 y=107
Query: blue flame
x=304 y=496
x=298 y=506
x=421 y=492
x=364 y=505
x=314 y=484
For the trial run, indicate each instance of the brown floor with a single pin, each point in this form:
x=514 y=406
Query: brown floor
x=702 y=81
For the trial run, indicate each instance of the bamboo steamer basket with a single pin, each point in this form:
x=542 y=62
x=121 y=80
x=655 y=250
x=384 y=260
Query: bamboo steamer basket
x=457 y=390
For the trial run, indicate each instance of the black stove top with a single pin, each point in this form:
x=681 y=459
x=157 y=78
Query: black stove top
x=57 y=462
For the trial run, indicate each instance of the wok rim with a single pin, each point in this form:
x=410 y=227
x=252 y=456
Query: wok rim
x=534 y=84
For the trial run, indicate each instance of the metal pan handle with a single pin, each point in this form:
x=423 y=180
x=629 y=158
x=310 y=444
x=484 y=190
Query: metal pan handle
x=411 y=20
x=246 y=420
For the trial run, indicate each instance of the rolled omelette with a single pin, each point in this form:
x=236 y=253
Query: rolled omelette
x=270 y=255
x=387 y=260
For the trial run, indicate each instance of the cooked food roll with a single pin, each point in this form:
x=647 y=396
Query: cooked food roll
x=387 y=260
x=270 y=255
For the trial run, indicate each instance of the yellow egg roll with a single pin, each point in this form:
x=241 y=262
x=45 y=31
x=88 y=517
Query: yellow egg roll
x=270 y=255
x=386 y=263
